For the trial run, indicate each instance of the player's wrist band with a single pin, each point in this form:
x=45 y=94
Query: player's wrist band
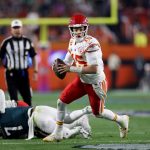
x=75 y=69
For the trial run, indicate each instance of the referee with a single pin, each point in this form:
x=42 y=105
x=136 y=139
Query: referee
x=15 y=53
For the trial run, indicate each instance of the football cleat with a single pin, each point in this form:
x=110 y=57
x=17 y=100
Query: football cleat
x=52 y=138
x=123 y=126
x=85 y=134
x=56 y=136
x=88 y=110
x=84 y=122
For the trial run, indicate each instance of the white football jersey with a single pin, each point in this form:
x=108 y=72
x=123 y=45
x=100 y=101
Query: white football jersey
x=87 y=52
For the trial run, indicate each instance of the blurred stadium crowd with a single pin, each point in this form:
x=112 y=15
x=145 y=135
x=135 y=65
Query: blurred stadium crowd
x=133 y=15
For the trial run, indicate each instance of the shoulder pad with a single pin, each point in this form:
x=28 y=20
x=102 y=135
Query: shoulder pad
x=92 y=44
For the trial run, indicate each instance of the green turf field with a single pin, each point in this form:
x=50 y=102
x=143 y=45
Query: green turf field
x=103 y=131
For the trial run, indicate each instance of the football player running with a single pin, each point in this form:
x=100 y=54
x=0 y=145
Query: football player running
x=22 y=122
x=85 y=52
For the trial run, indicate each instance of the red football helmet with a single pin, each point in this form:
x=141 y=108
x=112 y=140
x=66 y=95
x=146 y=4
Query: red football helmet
x=78 y=26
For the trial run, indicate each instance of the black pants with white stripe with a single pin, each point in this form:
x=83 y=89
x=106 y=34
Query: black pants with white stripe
x=18 y=81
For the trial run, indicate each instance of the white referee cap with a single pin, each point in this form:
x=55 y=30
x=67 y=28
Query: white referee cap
x=16 y=23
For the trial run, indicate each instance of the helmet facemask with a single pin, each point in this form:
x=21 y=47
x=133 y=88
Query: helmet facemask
x=78 y=32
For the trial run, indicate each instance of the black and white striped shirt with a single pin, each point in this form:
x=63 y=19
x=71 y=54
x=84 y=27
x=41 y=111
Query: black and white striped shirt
x=15 y=52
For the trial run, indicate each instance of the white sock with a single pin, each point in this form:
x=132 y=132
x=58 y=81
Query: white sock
x=108 y=114
x=60 y=116
x=60 y=111
x=58 y=128
x=70 y=118
x=58 y=131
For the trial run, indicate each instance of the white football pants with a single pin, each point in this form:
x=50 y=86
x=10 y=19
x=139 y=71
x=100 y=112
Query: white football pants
x=44 y=118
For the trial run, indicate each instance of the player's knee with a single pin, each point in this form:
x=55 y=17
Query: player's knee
x=60 y=102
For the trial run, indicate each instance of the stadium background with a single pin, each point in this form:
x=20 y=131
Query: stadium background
x=121 y=26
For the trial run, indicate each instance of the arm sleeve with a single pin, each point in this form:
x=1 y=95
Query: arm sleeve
x=68 y=59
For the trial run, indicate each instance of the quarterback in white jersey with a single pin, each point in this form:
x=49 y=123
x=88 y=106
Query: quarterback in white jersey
x=41 y=119
x=85 y=53
x=84 y=57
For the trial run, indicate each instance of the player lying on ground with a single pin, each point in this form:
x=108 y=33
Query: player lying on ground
x=22 y=122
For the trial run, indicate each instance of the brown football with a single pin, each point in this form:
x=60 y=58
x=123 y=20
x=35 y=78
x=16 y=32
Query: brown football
x=55 y=68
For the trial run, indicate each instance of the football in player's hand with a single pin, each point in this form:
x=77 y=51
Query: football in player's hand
x=56 y=64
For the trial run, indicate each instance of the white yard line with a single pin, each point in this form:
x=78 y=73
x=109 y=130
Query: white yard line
x=116 y=146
